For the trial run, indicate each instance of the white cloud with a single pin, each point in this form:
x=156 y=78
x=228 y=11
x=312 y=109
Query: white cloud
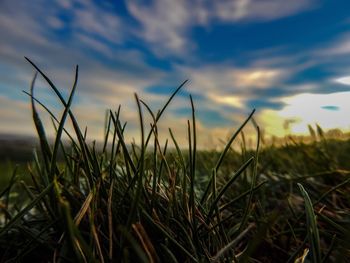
x=343 y=80
x=231 y=80
x=233 y=101
x=256 y=77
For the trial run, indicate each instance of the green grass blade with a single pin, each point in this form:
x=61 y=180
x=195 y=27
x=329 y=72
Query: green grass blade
x=139 y=176
x=193 y=159
x=110 y=220
x=255 y=172
x=312 y=230
x=244 y=194
x=186 y=234
x=123 y=144
x=74 y=121
x=45 y=148
x=161 y=111
x=12 y=181
x=233 y=137
x=227 y=185
x=331 y=190
x=168 y=255
x=25 y=210
x=221 y=253
x=330 y=249
x=82 y=250
x=61 y=126
x=50 y=113
x=107 y=130
x=183 y=165
x=171 y=238
x=134 y=244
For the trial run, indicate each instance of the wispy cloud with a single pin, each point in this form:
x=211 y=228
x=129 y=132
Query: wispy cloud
x=166 y=25
x=339 y=46
x=36 y=25
x=87 y=19
x=255 y=10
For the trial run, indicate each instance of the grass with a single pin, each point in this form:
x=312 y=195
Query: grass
x=161 y=203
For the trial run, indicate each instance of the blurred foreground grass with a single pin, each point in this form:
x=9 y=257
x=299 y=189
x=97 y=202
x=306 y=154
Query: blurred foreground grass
x=160 y=203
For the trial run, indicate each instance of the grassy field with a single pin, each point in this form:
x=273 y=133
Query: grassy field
x=162 y=203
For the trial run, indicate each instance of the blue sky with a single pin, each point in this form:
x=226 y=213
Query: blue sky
x=288 y=59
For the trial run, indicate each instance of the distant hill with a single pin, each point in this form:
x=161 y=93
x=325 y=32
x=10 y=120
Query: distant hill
x=16 y=148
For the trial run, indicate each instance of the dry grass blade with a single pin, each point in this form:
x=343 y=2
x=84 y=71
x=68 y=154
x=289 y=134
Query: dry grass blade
x=84 y=208
x=145 y=242
x=302 y=258
x=97 y=242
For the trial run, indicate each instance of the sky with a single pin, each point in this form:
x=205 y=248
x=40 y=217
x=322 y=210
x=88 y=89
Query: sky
x=289 y=60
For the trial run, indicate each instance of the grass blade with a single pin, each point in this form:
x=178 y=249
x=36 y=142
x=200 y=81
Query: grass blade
x=227 y=185
x=255 y=172
x=61 y=126
x=233 y=137
x=312 y=230
x=45 y=148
